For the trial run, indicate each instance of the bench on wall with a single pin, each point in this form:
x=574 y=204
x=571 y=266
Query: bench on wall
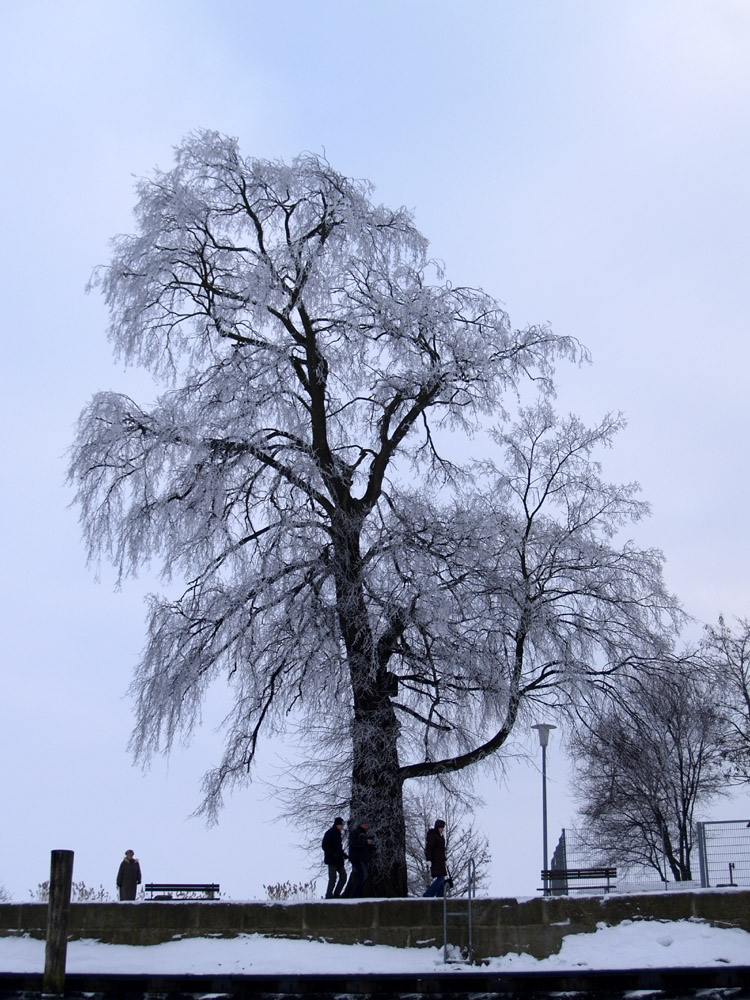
x=556 y=879
x=186 y=890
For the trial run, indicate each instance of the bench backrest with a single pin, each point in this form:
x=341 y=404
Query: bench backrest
x=575 y=873
x=207 y=888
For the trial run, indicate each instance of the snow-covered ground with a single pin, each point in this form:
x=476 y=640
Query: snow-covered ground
x=630 y=945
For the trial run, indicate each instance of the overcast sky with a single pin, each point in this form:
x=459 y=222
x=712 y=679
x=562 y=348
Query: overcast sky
x=587 y=161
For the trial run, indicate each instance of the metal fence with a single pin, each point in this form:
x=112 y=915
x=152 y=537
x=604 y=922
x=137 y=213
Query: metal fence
x=724 y=852
x=721 y=857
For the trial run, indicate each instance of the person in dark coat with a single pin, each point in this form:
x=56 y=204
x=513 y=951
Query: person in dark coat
x=334 y=856
x=128 y=877
x=360 y=851
x=434 y=851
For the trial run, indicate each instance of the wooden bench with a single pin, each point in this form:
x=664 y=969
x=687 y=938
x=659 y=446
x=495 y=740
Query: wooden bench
x=553 y=877
x=210 y=890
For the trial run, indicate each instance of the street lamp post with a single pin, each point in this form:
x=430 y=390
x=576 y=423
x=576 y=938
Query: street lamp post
x=543 y=730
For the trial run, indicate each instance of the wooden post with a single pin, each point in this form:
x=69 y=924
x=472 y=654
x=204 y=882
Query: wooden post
x=58 y=910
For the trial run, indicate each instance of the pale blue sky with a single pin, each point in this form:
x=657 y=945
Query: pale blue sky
x=586 y=161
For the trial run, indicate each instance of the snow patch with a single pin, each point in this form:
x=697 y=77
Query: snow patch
x=630 y=945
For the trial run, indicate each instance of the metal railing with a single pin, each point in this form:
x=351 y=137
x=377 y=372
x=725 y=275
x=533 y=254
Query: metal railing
x=467 y=914
x=720 y=859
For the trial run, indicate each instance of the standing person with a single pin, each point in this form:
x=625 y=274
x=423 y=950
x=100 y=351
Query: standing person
x=128 y=877
x=360 y=852
x=334 y=856
x=434 y=851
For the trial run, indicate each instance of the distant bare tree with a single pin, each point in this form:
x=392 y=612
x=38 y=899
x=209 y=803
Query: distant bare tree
x=463 y=842
x=646 y=754
x=726 y=653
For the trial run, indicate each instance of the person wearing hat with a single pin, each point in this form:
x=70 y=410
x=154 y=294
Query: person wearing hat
x=334 y=856
x=128 y=877
x=434 y=851
x=360 y=852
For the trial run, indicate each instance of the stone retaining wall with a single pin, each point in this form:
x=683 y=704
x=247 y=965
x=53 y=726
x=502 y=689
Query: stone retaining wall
x=535 y=926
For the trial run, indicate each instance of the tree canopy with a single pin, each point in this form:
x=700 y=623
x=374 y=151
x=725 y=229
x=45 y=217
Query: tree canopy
x=330 y=556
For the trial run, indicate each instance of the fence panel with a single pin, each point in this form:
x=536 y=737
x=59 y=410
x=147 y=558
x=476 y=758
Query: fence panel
x=577 y=851
x=724 y=847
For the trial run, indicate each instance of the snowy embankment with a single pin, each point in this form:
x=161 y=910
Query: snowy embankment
x=630 y=945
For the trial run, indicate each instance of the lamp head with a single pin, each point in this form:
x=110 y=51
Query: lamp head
x=543 y=730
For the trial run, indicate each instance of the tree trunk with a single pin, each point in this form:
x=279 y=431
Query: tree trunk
x=680 y=867
x=377 y=794
x=377 y=785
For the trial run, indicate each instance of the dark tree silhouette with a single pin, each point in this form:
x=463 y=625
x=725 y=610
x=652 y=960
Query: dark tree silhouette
x=646 y=755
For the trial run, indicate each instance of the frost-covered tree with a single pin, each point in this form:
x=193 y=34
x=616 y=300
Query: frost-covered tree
x=647 y=753
x=330 y=559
